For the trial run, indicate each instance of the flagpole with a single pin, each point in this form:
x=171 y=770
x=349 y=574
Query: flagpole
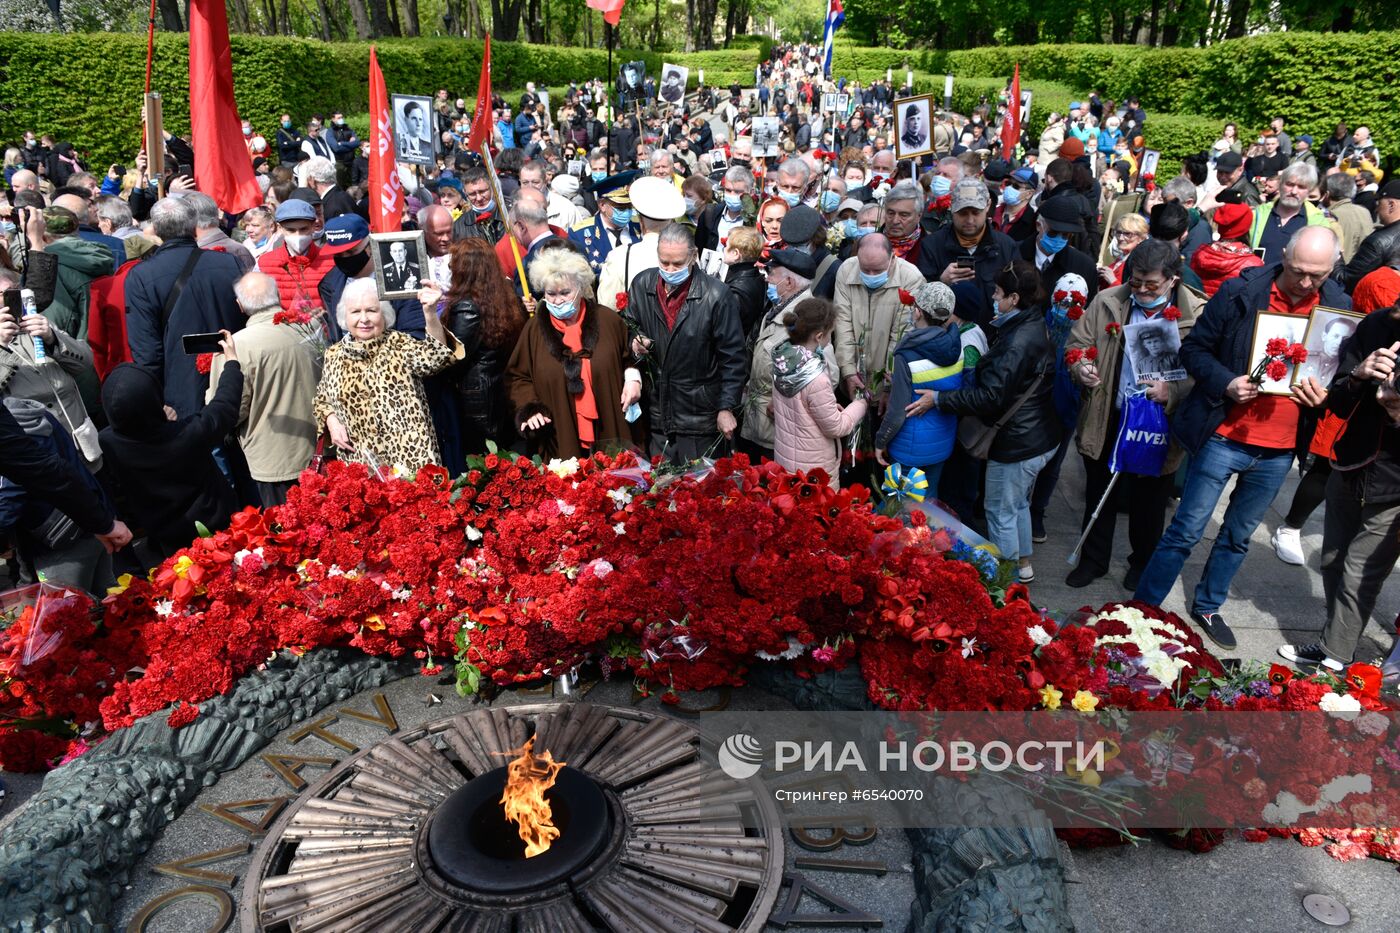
x=607 y=138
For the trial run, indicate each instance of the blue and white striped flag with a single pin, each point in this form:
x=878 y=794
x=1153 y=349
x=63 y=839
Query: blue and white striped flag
x=835 y=16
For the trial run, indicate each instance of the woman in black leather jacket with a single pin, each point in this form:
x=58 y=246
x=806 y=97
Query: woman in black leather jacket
x=1020 y=364
x=486 y=316
x=742 y=251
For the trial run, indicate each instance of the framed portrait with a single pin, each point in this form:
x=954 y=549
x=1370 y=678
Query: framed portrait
x=1150 y=158
x=719 y=159
x=1025 y=107
x=829 y=102
x=414 y=141
x=767 y=132
x=913 y=127
x=1328 y=329
x=631 y=82
x=843 y=103
x=673 y=79
x=1154 y=350
x=712 y=261
x=1121 y=206
x=400 y=263
x=1267 y=326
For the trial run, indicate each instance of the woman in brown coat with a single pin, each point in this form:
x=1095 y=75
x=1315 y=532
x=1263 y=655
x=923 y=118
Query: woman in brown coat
x=569 y=383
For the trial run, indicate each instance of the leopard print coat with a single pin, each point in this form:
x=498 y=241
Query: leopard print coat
x=375 y=387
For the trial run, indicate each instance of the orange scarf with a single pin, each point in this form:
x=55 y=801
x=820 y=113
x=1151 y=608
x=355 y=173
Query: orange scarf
x=585 y=406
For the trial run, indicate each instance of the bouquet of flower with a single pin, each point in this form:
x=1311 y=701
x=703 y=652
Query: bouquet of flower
x=1279 y=354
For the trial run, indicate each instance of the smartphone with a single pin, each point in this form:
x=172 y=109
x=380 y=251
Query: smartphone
x=184 y=168
x=119 y=170
x=196 y=344
x=966 y=262
x=13 y=304
x=1259 y=251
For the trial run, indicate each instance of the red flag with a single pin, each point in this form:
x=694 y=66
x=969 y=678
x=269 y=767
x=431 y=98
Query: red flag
x=480 y=134
x=221 y=164
x=385 y=189
x=612 y=10
x=1011 y=126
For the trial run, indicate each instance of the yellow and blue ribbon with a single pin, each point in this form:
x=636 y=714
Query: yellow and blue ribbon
x=905 y=484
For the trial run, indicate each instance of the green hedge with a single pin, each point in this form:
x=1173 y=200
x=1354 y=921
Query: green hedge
x=865 y=64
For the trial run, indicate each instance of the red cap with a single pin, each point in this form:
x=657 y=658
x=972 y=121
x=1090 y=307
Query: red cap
x=1233 y=221
x=1072 y=148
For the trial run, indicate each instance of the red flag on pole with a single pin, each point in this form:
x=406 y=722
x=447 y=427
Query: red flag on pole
x=385 y=189
x=480 y=134
x=611 y=9
x=1011 y=126
x=221 y=164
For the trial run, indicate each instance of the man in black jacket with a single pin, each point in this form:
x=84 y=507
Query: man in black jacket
x=943 y=254
x=690 y=332
x=1370 y=255
x=1050 y=250
x=1361 y=534
x=1231 y=430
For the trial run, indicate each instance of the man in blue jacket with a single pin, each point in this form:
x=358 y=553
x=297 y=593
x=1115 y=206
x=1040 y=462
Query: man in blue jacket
x=1234 y=432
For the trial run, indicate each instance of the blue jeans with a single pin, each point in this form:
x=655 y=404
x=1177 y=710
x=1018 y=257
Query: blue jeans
x=1008 y=503
x=1260 y=471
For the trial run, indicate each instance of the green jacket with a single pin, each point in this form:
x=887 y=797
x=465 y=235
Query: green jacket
x=1315 y=215
x=79 y=262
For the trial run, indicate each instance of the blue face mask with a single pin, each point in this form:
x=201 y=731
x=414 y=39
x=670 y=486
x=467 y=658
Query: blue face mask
x=1052 y=243
x=1011 y=195
x=562 y=311
x=690 y=205
x=773 y=293
x=599 y=176
x=490 y=207
x=733 y=202
x=873 y=282
x=790 y=198
x=7 y=228
x=829 y=200
x=849 y=228
x=1152 y=305
x=673 y=279
x=941 y=186
x=622 y=217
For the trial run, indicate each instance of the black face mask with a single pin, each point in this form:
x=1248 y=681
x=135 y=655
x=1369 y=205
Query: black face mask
x=351 y=263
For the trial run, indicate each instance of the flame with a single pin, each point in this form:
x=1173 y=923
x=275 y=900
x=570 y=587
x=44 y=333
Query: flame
x=527 y=779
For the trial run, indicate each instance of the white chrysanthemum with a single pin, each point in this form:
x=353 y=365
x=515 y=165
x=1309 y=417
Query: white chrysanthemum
x=1339 y=703
x=564 y=507
x=1039 y=635
x=473 y=533
x=563 y=468
x=619 y=529
x=164 y=608
x=795 y=649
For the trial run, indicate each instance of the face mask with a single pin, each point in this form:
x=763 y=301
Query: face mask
x=487 y=208
x=7 y=228
x=622 y=217
x=599 y=176
x=790 y=198
x=337 y=123
x=1151 y=304
x=733 y=202
x=873 y=282
x=561 y=311
x=690 y=205
x=829 y=200
x=29 y=143
x=351 y=263
x=286 y=124
x=1011 y=196
x=297 y=243
x=941 y=186
x=849 y=228
x=678 y=277
x=1051 y=243
x=247 y=131
x=1116 y=249
x=773 y=293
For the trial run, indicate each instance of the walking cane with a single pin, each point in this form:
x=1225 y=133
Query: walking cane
x=1074 y=555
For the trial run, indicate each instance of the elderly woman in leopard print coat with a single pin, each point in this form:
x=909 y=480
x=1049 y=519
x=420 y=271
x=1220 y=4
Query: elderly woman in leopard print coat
x=371 y=397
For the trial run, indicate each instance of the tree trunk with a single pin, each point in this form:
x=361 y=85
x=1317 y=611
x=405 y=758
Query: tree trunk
x=284 y=18
x=505 y=19
x=534 y=22
x=1118 y=18
x=380 y=25
x=324 y=20
x=690 y=25
x=1239 y=19
x=270 y=18
x=170 y=19
x=410 y=18
x=1152 y=23
x=1346 y=19
x=239 y=21
x=1136 y=29
x=393 y=7
x=360 y=15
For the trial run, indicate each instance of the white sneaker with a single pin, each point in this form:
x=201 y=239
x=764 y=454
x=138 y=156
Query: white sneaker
x=1288 y=545
x=1026 y=573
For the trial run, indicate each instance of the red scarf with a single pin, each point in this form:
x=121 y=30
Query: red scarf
x=903 y=246
x=671 y=304
x=585 y=405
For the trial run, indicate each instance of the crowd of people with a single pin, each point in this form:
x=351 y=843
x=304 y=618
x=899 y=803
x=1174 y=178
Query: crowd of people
x=691 y=291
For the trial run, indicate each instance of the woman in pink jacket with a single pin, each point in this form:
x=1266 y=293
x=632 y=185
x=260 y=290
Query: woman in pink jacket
x=808 y=422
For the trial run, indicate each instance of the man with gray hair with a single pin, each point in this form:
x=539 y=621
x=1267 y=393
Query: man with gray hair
x=1356 y=223
x=210 y=235
x=1275 y=222
x=734 y=207
x=529 y=224
x=1199 y=231
x=114 y=217
x=870 y=318
x=657 y=203
x=276 y=423
x=321 y=177
x=792 y=178
x=178 y=289
x=689 y=327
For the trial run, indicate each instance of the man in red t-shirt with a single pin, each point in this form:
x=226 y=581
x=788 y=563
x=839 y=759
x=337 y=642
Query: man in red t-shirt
x=1232 y=430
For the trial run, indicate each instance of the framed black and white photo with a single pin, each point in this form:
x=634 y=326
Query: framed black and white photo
x=631 y=82
x=1154 y=348
x=712 y=262
x=829 y=102
x=719 y=159
x=413 y=129
x=1150 y=158
x=843 y=103
x=1328 y=329
x=1025 y=107
x=399 y=263
x=1267 y=326
x=673 y=79
x=913 y=127
x=766 y=133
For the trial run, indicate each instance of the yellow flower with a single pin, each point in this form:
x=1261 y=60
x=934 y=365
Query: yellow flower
x=123 y=582
x=183 y=563
x=374 y=623
x=1050 y=697
x=1084 y=701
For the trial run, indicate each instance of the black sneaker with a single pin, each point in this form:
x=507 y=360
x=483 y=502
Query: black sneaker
x=1038 y=534
x=1082 y=576
x=1132 y=578
x=1215 y=628
x=1310 y=656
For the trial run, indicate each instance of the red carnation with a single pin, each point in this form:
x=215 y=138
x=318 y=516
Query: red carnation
x=1113 y=329
x=1171 y=313
x=1075 y=312
x=1091 y=354
x=1297 y=353
x=1073 y=356
x=622 y=301
x=1060 y=296
x=905 y=297
x=203 y=362
x=1276 y=370
x=1277 y=346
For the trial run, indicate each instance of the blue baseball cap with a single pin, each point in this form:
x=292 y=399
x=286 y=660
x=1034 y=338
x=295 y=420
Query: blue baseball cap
x=294 y=209
x=345 y=232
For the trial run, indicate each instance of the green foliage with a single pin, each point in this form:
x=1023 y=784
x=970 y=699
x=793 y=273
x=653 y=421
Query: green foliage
x=762 y=45
x=868 y=64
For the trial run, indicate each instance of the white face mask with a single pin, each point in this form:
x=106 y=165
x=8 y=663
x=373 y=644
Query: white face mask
x=297 y=243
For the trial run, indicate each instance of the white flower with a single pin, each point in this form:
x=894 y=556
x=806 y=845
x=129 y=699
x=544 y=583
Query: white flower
x=335 y=571
x=619 y=529
x=620 y=497
x=601 y=568
x=1339 y=703
x=1285 y=809
x=969 y=647
x=473 y=533
x=1337 y=789
x=402 y=472
x=1039 y=635
x=402 y=593
x=563 y=468
x=795 y=649
x=564 y=507
x=164 y=608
